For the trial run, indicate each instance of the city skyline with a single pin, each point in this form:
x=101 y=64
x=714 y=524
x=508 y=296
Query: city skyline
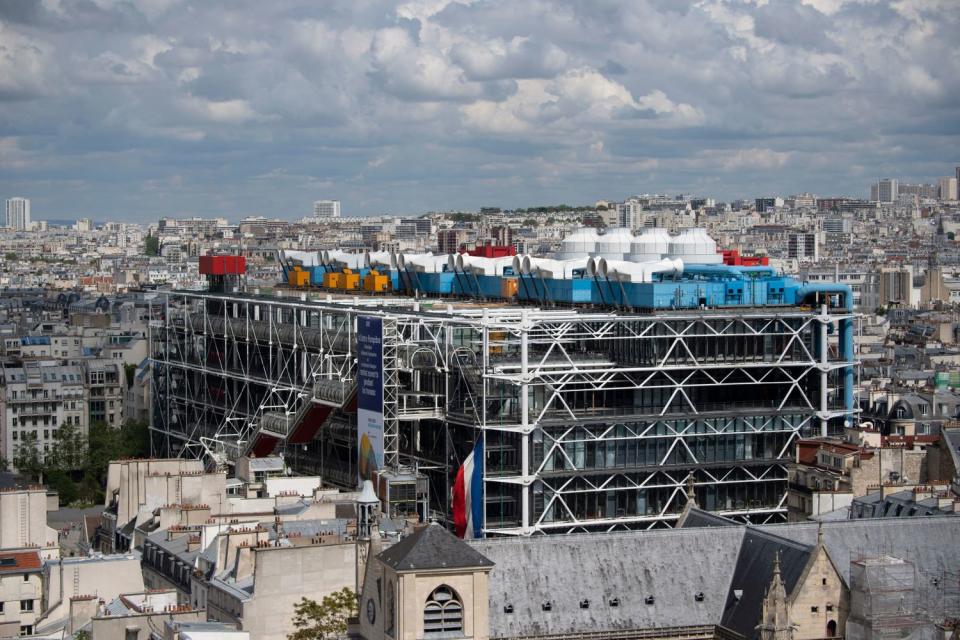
x=124 y=112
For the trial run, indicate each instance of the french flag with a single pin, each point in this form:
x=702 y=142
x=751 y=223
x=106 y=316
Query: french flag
x=468 y=495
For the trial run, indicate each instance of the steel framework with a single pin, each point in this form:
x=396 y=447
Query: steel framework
x=590 y=420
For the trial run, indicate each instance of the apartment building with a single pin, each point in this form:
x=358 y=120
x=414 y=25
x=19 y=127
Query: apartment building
x=36 y=398
x=105 y=385
x=21 y=591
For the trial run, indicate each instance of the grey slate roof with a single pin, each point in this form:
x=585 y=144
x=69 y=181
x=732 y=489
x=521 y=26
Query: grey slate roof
x=697 y=517
x=930 y=543
x=753 y=573
x=432 y=547
x=310 y=528
x=565 y=570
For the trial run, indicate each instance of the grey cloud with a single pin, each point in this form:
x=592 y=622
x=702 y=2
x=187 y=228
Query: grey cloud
x=519 y=58
x=416 y=105
x=793 y=23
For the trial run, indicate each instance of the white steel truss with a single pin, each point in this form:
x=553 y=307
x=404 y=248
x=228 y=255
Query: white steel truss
x=591 y=420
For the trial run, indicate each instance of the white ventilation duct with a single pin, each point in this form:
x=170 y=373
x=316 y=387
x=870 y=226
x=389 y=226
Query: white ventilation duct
x=328 y=257
x=694 y=246
x=354 y=261
x=426 y=263
x=652 y=244
x=403 y=259
x=625 y=271
x=593 y=269
x=614 y=244
x=482 y=266
x=556 y=269
x=582 y=243
x=375 y=259
x=305 y=258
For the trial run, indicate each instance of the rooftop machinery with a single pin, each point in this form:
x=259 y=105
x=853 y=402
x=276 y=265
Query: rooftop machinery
x=650 y=271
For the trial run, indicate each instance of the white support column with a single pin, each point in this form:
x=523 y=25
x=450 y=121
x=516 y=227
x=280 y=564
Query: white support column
x=824 y=349
x=525 y=421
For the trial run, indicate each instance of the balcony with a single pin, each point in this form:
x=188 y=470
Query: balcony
x=415 y=405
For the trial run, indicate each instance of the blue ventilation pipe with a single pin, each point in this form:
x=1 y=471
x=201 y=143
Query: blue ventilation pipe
x=728 y=271
x=846 y=333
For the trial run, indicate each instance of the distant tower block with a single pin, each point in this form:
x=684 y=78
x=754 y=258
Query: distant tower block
x=326 y=209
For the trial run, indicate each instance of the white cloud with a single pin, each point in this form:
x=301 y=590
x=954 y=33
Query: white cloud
x=222 y=112
x=577 y=99
x=27 y=67
x=401 y=103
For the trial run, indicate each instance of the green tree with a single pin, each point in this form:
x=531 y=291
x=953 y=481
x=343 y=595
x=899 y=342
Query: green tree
x=151 y=245
x=325 y=620
x=69 y=452
x=26 y=456
x=135 y=435
x=104 y=443
x=68 y=491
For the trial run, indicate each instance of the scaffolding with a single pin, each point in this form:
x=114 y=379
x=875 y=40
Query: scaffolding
x=590 y=420
x=884 y=601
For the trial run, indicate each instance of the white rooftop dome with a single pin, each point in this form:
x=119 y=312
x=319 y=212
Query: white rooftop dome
x=652 y=244
x=614 y=244
x=579 y=244
x=694 y=246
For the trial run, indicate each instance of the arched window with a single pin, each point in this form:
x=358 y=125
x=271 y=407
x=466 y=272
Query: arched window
x=443 y=612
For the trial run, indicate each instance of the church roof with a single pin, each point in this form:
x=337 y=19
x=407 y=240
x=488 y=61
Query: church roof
x=693 y=516
x=710 y=575
x=928 y=542
x=573 y=584
x=432 y=547
x=754 y=570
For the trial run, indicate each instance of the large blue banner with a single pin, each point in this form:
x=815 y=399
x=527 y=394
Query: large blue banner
x=369 y=396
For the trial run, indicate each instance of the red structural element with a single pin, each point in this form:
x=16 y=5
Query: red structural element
x=310 y=425
x=222 y=265
x=493 y=251
x=732 y=257
x=264 y=445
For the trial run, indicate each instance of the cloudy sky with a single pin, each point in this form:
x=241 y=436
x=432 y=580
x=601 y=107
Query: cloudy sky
x=128 y=110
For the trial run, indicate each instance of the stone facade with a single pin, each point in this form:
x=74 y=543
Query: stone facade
x=819 y=604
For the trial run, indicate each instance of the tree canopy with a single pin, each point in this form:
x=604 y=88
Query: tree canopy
x=324 y=620
x=151 y=245
x=76 y=467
